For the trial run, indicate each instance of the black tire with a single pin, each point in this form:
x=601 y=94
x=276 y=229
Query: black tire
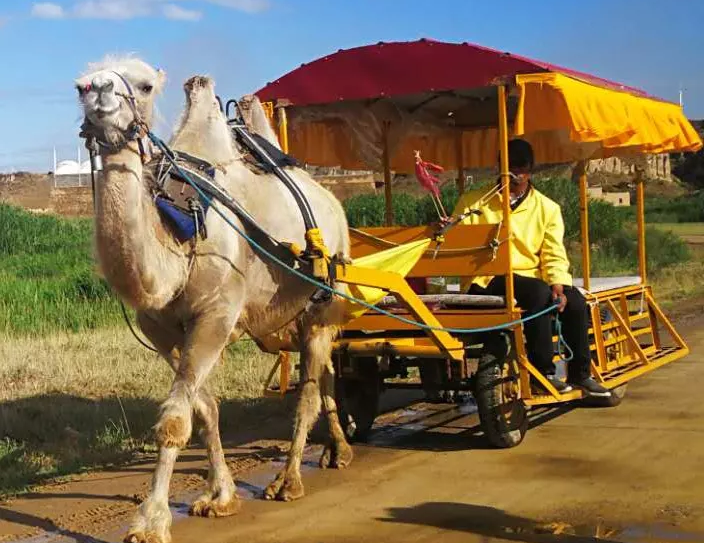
x=358 y=399
x=503 y=416
x=614 y=400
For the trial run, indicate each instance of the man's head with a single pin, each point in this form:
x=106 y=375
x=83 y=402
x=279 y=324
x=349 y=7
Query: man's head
x=520 y=164
x=520 y=157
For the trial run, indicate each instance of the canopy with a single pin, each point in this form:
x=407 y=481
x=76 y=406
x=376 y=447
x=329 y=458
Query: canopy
x=441 y=99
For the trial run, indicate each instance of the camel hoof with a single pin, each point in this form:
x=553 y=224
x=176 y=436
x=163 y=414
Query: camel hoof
x=209 y=508
x=336 y=455
x=146 y=537
x=285 y=488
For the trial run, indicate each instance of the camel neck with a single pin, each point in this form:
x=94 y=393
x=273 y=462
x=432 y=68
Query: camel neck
x=138 y=257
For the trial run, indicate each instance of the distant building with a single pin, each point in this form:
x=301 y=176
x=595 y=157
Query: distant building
x=72 y=167
x=618 y=199
x=71 y=173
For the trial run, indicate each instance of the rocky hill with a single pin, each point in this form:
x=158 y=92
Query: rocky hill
x=689 y=167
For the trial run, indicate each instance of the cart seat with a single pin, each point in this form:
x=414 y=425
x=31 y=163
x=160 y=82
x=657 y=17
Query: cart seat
x=439 y=301
x=601 y=284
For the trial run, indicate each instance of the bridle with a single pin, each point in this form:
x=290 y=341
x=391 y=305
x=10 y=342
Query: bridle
x=136 y=131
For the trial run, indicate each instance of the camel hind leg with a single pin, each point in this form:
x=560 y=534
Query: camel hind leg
x=338 y=453
x=316 y=347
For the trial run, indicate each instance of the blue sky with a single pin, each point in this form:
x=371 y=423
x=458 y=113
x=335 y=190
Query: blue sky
x=245 y=43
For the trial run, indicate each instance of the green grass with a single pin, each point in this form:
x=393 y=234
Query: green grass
x=47 y=275
x=682 y=228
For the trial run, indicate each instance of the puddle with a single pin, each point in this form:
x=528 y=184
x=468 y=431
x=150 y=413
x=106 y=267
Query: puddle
x=414 y=419
x=638 y=533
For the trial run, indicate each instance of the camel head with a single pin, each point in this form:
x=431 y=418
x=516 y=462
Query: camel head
x=116 y=95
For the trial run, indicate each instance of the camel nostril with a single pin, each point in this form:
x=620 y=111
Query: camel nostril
x=102 y=84
x=83 y=89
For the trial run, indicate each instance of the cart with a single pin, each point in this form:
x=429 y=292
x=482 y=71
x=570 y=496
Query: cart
x=369 y=108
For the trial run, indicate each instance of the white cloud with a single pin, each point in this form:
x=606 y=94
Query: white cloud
x=249 y=6
x=177 y=13
x=111 y=9
x=47 y=10
x=131 y=9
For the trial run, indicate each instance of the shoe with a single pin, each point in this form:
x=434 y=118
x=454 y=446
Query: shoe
x=592 y=388
x=559 y=385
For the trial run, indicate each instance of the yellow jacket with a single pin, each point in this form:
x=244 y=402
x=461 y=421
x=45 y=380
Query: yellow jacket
x=538 y=248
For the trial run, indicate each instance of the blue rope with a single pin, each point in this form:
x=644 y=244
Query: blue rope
x=561 y=341
x=167 y=153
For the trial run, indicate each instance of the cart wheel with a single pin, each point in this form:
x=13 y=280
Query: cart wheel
x=502 y=413
x=614 y=400
x=358 y=399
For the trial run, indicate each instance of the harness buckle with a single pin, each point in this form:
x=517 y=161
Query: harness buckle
x=494 y=245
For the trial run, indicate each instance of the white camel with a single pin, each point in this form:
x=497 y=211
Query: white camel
x=191 y=300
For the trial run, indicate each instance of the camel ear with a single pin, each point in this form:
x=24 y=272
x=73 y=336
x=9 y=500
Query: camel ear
x=160 y=79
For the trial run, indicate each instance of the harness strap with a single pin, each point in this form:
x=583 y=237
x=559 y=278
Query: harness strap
x=263 y=151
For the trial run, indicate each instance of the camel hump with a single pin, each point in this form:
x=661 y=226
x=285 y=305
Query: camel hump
x=256 y=119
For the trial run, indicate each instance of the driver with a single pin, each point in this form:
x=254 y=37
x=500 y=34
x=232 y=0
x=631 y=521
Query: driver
x=541 y=272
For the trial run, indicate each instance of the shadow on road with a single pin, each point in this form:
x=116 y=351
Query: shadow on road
x=491 y=523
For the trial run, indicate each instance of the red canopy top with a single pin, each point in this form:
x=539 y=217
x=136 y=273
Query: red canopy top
x=403 y=68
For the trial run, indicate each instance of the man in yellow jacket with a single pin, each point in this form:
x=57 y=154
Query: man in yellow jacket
x=541 y=271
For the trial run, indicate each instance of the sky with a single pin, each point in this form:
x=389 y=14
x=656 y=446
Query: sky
x=243 y=44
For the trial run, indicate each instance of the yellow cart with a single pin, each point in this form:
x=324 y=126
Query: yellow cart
x=369 y=108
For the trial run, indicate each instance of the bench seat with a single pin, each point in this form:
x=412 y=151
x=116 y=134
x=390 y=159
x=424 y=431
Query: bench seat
x=601 y=284
x=439 y=301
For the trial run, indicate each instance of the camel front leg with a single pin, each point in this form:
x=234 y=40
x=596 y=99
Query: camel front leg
x=220 y=498
x=203 y=346
x=316 y=347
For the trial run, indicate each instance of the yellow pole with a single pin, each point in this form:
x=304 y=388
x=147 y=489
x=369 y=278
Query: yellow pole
x=283 y=129
x=581 y=171
x=389 y=217
x=640 y=203
x=506 y=193
x=459 y=153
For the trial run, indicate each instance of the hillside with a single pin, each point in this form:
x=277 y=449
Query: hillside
x=690 y=167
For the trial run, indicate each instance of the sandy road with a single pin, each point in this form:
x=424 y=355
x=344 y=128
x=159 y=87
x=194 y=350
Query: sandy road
x=630 y=474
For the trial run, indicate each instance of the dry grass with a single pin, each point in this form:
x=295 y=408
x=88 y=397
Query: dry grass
x=110 y=362
x=70 y=401
x=681 y=283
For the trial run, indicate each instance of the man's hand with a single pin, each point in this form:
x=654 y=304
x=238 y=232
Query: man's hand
x=558 y=296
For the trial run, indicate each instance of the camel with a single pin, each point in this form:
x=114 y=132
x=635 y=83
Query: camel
x=192 y=299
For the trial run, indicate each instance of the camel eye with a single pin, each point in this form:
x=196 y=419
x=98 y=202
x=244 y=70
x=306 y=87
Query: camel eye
x=146 y=89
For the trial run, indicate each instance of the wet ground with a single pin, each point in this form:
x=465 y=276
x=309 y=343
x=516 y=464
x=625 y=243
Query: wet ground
x=629 y=474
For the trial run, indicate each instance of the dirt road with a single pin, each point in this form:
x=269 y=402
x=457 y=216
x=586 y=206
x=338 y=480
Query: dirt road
x=630 y=474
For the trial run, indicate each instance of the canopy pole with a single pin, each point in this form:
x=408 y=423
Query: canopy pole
x=389 y=215
x=640 y=210
x=506 y=192
x=459 y=154
x=283 y=128
x=580 y=171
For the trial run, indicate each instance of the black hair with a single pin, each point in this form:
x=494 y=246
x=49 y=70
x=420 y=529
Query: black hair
x=520 y=154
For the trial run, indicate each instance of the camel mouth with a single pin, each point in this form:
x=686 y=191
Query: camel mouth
x=102 y=113
x=197 y=83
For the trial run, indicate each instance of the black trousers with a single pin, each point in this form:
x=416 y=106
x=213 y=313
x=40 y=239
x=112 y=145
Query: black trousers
x=534 y=295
